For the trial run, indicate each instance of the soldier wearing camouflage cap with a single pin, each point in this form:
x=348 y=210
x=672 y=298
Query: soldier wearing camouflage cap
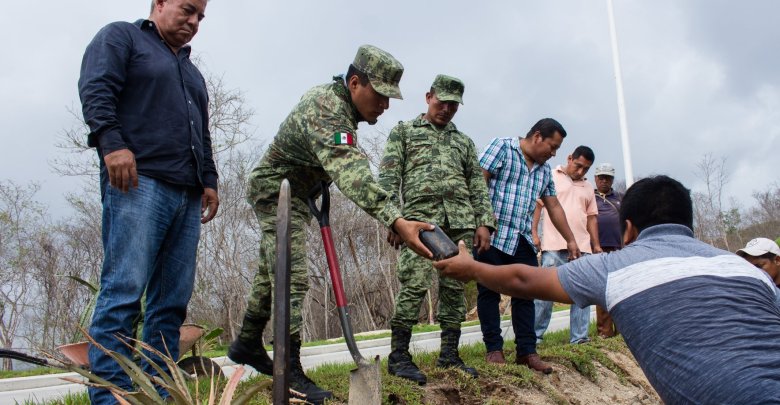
x=317 y=142
x=434 y=167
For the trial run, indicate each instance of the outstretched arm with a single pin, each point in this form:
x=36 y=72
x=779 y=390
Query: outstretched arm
x=516 y=280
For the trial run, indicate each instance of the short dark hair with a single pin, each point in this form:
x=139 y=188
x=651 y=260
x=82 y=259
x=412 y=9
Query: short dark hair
x=547 y=127
x=585 y=152
x=353 y=71
x=657 y=200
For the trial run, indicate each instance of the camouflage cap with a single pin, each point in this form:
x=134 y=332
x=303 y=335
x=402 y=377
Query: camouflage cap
x=448 y=88
x=383 y=70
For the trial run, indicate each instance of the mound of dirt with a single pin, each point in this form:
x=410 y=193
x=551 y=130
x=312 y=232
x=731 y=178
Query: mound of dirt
x=565 y=385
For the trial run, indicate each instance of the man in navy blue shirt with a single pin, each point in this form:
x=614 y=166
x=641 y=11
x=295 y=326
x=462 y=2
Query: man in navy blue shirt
x=147 y=108
x=610 y=234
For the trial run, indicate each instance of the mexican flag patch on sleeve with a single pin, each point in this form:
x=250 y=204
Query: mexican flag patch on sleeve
x=343 y=138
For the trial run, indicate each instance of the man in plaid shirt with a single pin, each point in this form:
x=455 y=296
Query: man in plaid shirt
x=517 y=175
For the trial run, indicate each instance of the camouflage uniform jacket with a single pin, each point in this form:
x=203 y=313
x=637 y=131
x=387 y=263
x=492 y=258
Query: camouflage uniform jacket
x=305 y=152
x=438 y=174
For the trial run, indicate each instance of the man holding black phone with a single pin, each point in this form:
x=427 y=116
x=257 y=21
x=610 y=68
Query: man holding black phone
x=317 y=142
x=434 y=168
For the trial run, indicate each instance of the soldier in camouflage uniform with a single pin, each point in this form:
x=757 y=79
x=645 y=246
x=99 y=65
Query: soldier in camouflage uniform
x=317 y=142
x=434 y=167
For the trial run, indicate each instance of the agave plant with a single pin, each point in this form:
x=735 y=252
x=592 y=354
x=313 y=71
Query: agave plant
x=174 y=381
x=86 y=316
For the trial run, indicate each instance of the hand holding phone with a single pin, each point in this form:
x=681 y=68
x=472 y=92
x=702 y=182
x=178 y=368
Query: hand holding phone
x=438 y=243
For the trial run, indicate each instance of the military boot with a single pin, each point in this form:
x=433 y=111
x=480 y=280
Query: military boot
x=248 y=347
x=299 y=382
x=449 y=356
x=400 y=361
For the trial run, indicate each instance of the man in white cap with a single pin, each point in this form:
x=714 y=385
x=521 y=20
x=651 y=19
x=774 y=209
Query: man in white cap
x=610 y=234
x=764 y=254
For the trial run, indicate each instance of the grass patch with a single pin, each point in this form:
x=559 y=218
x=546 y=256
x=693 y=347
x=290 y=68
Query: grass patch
x=81 y=398
x=221 y=350
x=199 y=389
x=555 y=348
x=30 y=372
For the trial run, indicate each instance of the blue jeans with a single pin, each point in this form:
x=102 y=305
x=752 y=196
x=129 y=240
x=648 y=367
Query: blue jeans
x=579 y=318
x=522 y=310
x=150 y=237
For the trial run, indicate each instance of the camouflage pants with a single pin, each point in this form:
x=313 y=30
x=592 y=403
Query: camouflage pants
x=259 y=305
x=415 y=274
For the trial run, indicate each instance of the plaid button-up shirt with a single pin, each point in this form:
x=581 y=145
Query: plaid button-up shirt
x=513 y=190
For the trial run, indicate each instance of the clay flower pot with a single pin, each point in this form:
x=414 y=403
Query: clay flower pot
x=76 y=353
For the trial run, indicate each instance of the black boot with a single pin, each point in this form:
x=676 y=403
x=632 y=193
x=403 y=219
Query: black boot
x=299 y=382
x=449 y=356
x=400 y=361
x=248 y=347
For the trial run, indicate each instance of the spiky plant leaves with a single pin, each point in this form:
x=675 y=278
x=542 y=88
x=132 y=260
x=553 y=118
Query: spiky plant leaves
x=120 y=400
x=230 y=388
x=83 y=282
x=136 y=374
x=247 y=395
x=213 y=334
x=133 y=398
x=173 y=382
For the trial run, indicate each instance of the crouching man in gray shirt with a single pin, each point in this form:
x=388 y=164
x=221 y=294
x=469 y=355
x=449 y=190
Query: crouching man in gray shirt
x=703 y=323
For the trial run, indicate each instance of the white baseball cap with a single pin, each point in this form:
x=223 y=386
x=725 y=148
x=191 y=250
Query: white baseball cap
x=605 y=169
x=759 y=247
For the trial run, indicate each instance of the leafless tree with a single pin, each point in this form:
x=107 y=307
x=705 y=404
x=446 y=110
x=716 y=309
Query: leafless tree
x=228 y=248
x=763 y=219
x=710 y=217
x=22 y=224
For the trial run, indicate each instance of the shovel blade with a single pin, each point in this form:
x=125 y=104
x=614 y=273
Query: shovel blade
x=365 y=384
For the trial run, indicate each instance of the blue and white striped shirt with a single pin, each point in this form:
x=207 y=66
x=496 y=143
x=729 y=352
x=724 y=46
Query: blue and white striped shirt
x=701 y=322
x=513 y=190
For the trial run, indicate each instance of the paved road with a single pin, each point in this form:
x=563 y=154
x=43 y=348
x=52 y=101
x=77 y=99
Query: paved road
x=48 y=387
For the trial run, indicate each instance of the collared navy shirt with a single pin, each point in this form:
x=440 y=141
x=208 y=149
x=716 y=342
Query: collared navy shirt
x=137 y=94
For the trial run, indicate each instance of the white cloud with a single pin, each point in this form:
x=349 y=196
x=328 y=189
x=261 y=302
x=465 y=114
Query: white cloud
x=699 y=76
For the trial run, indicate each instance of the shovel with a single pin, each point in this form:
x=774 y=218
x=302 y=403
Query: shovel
x=364 y=381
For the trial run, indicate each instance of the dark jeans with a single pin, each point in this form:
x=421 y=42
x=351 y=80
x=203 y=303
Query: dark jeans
x=522 y=310
x=150 y=241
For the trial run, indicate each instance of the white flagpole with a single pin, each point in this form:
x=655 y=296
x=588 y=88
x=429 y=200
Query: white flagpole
x=620 y=100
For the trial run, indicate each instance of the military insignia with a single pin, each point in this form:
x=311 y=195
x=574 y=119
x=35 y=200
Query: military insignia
x=343 y=138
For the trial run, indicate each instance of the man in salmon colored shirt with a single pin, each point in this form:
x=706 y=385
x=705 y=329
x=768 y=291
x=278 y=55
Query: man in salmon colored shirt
x=578 y=200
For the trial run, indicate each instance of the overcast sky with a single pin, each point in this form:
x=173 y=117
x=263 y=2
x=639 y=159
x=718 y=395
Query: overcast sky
x=699 y=76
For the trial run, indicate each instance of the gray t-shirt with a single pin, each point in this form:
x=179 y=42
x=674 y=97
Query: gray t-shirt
x=704 y=324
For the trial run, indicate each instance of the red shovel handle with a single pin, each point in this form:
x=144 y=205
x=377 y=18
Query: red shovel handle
x=327 y=239
x=333 y=267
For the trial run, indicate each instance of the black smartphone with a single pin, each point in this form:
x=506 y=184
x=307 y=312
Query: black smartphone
x=438 y=243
